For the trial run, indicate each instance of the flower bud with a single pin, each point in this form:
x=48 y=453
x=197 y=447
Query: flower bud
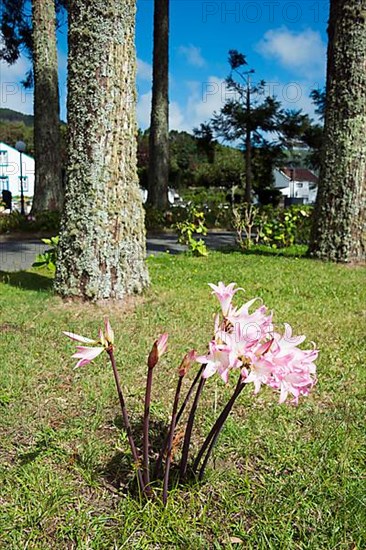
x=186 y=363
x=159 y=347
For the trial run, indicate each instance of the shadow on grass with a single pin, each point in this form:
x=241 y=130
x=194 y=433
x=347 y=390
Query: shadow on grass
x=26 y=280
x=119 y=472
x=296 y=251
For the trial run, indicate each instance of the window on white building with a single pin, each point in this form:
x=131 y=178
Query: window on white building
x=299 y=185
x=3 y=158
x=4 y=183
x=25 y=184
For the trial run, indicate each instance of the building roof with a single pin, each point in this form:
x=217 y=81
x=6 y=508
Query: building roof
x=300 y=174
x=6 y=145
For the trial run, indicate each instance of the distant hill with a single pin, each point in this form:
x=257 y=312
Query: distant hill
x=8 y=115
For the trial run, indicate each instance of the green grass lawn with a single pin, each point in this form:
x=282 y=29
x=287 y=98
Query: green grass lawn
x=281 y=477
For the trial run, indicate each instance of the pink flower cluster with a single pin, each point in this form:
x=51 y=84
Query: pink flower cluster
x=246 y=339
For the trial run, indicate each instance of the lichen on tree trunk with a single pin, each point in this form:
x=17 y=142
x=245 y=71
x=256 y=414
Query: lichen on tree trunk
x=48 y=191
x=102 y=244
x=339 y=229
x=159 y=125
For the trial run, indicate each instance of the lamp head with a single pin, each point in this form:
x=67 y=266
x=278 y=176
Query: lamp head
x=20 y=146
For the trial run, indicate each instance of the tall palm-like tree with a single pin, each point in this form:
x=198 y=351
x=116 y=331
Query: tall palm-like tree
x=159 y=125
x=48 y=191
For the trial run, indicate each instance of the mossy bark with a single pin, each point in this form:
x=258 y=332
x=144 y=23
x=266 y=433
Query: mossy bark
x=339 y=229
x=48 y=190
x=102 y=244
x=159 y=124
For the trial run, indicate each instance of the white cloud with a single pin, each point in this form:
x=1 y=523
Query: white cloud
x=144 y=70
x=13 y=95
x=303 y=52
x=193 y=55
x=176 y=116
x=202 y=100
x=143 y=110
x=295 y=95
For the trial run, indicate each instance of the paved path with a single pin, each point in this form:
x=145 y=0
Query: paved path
x=16 y=255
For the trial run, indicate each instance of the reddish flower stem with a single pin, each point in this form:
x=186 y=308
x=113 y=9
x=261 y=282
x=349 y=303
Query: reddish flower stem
x=145 y=446
x=170 y=440
x=189 y=428
x=126 y=419
x=210 y=441
x=159 y=461
x=218 y=422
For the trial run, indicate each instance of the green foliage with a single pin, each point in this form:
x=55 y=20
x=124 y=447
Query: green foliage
x=44 y=221
x=194 y=161
x=274 y=227
x=281 y=228
x=245 y=216
x=213 y=202
x=193 y=225
x=49 y=258
x=11 y=132
x=155 y=219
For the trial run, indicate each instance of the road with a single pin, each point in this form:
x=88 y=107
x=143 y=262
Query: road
x=19 y=254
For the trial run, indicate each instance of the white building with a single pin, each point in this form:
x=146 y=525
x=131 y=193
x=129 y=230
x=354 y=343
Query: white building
x=10 y=172
x=297 y=183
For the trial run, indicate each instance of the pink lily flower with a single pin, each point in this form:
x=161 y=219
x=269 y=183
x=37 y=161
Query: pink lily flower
x=224 y=294
x=220 y=360
x=286 y=343
x=237 y=342
x=86 y=354
x=260 y=373
x=295 y=383
x=255 y=324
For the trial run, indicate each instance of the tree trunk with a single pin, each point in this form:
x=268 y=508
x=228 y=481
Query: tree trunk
x=159 y=125
x=102 y=244
x=48 y=190
x=339 y=229
x=248 y=152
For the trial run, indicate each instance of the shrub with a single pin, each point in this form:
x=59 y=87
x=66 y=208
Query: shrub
x=49 y=258
x=44 y=221
x=193 y=225
x=274 y=227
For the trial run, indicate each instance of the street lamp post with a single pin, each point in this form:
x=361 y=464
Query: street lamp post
x=21 y=147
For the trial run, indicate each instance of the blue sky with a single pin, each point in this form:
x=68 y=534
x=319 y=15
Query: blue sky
x=284 y=41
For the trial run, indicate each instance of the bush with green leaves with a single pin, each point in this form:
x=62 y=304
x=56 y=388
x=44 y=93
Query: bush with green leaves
x=43 y=221
x=274 y=227
x=193 y=225
x=283 y=227
x=49 y=258
x=213 y=202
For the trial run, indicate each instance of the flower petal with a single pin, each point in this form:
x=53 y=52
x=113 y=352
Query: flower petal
x=109 y=333
x=86 y=353
x=79 y=338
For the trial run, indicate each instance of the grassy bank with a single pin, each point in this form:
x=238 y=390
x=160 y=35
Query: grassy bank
x=281 y=477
